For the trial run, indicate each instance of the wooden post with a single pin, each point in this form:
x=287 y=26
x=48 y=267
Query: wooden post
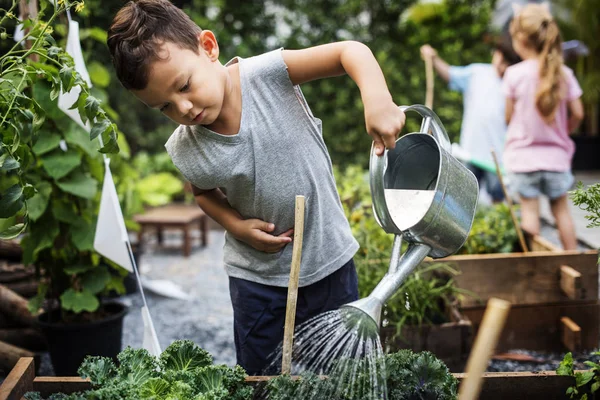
x=570 y=282
x=570 y=334
x=485 y=342
x=19 y=381
x=510 y=205
x=290 y=314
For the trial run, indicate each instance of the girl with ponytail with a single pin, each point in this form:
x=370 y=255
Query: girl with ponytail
x=543 y=106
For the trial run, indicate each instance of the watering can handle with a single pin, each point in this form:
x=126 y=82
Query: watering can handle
x=430 y=119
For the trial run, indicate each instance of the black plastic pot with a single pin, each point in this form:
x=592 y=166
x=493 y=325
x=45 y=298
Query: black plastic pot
x=68 y=344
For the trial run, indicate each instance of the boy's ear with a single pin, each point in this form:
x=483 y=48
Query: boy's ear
x=207 y=43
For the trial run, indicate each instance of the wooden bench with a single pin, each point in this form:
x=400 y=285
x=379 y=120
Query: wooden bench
x=176 y=216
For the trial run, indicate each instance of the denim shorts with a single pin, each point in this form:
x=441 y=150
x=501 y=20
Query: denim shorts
x=532 y=184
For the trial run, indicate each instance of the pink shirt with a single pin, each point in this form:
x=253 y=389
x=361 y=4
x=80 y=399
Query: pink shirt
x=531 y=143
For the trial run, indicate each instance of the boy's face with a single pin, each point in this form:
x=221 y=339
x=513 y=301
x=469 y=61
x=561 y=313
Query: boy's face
x=185 y=86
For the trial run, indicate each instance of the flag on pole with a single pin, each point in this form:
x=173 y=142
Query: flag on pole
x=111 y=234
x=150 y=342
x=111 y=239
x=66 y=100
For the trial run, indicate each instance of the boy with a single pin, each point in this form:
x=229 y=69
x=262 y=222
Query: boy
x=483 y=126
x=249 y=144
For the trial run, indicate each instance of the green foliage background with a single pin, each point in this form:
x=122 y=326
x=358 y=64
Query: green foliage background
x=393 y=30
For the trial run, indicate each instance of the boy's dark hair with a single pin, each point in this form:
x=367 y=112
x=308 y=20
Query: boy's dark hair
x=137 y=32
x=504 y=45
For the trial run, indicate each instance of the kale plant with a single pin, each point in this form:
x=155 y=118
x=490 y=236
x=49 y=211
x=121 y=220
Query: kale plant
x=184 y=371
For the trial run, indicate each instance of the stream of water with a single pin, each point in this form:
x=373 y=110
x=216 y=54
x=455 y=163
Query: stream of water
x=342 y=345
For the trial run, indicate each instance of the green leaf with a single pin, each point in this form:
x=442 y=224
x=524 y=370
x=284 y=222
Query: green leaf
x=95 y=280
x=595 y=386
x=67 y=78
x=116 y=284
x=11 y=201
x=7 y=163
x=13 y=231
x=36 y=302
x=64 y=211
x=82 y=234
x=98 y=128
x=38 y=203
x=60 y=163
x=582 y=378
x=99 y=74
x=77 y=269
x=79 y=301
x=79 y=184
x=92 y=106
x=76 y=135
x=41 y=236
x=46 y=142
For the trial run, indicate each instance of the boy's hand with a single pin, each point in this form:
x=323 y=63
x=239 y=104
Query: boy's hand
x=256 y=233
x=384 y=121
x=428 y=52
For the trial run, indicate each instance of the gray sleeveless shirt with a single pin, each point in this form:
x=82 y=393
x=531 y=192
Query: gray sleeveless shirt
x=277 y=154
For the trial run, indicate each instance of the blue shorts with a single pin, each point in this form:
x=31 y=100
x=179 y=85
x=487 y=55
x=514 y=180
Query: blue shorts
x=490 y=180
x=259 y=313
x=532 y=184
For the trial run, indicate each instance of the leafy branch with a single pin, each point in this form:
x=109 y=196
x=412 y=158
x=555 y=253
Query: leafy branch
x=588 y=199
x=22 y=117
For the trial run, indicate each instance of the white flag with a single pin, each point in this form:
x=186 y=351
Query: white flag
x=66 y=100
x=150 y=339
x=111 y=234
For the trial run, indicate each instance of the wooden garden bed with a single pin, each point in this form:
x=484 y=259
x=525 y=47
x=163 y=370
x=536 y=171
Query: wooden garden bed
x=450 y=341
x=496 y=385
x=554 y=295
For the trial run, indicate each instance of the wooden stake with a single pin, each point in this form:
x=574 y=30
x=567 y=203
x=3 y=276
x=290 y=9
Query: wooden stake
x=430 y=82
x=485 y=342
x=290 y=314
x=510 y=206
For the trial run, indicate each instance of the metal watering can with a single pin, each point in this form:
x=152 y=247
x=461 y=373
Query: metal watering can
x=422 y=194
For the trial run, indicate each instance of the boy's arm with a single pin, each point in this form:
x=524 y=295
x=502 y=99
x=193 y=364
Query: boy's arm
x=254 y=232
x=440 y=66
x=383 y=118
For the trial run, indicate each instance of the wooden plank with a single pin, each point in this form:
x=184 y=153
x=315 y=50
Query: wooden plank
x=538 y=243
x=523 y=278
x=570 y=334
x=537 y=327
x=48 y=385
x=570 y=282
x=497 y=385
x=523 y=385
x=19 y=381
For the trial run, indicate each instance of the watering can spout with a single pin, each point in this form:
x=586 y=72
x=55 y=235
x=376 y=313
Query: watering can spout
x=390 y=283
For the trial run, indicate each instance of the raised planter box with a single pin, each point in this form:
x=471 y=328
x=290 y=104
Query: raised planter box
x=554 y=295
x=496 y=385
x=450 y=342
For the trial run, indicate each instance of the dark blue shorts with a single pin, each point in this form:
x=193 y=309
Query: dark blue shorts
x=259 y=313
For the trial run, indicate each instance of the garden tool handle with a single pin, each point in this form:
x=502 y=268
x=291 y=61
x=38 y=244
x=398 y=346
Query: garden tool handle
x=430 y=82
x=483 y=347
x=431 y=120
x=292 y=299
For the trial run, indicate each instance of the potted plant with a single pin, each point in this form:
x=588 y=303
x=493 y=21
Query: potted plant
x=51 y=176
